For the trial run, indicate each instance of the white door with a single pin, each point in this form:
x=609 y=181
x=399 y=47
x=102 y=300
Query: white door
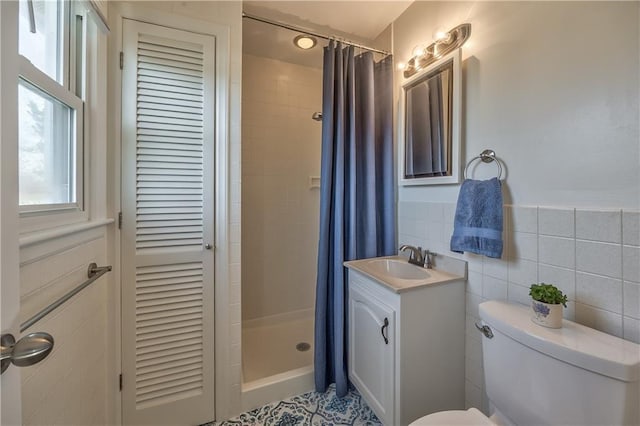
x=371 y=351
x=167 y=228
x=10 y=407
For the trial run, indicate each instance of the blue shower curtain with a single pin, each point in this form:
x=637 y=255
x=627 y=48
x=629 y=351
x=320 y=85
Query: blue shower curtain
x=357 y=210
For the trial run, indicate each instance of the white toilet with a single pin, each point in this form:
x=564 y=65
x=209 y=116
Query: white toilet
x=574 y=375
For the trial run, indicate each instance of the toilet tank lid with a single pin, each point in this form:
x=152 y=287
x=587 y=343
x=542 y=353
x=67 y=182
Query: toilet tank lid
x=573 y=343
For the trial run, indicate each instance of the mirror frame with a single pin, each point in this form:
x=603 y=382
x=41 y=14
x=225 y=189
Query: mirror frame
x=456 y=109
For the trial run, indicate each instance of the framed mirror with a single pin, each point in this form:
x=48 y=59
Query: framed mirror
x=430 y=116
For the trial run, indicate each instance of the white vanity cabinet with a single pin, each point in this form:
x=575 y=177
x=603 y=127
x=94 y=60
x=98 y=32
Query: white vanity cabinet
x=371 y=350
x=406 y=346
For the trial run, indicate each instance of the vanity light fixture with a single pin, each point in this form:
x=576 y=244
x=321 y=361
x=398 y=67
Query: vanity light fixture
x=304 y=41
x=444 y=43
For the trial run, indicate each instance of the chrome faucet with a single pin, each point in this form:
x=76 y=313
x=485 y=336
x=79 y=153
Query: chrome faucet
x=416 y=257
x=428 y=259
x=419 y=257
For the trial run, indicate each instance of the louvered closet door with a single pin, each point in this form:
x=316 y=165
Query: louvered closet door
x=167 y=186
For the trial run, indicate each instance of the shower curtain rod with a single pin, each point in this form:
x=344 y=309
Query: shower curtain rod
x=304 y=31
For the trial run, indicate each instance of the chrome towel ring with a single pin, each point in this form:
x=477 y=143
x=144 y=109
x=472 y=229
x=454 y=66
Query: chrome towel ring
x=486 y=156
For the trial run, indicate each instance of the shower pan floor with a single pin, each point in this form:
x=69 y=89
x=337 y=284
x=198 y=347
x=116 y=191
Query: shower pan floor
x=276 y=347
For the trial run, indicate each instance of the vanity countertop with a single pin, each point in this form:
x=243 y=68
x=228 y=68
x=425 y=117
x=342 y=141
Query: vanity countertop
x=398 y=275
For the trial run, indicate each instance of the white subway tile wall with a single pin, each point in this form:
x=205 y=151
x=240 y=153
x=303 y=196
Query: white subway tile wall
x=280 y=214
x=599 y=292
x=592 y=255
x=599 y=258
x=556 y=222
x=557 y=251
x=602 y=226
x=631 y=299
x=631 y=228
x=631 y=263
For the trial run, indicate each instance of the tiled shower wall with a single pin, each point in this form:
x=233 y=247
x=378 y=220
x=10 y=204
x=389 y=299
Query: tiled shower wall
x=592 y=255
x=280 y=193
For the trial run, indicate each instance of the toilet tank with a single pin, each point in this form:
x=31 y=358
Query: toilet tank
x=574 y=375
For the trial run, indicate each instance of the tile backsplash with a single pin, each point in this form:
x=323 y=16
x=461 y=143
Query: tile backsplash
x=592 y=255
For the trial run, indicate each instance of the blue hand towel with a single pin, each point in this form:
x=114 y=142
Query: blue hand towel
x=478 y=223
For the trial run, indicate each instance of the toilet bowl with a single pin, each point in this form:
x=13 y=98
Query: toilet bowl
x=470 y=417
x=537 y=375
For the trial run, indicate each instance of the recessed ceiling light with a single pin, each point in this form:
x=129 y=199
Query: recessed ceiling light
x=304 y=41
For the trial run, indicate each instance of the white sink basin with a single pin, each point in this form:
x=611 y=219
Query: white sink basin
x=399 y=269
x=399 y=275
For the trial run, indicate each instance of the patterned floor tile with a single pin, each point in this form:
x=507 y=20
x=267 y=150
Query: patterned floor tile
x=313 y=409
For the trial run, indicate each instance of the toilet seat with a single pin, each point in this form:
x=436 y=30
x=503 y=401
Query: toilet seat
x=470 y=417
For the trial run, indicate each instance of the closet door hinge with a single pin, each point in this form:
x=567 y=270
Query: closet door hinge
x=120 y=220
x=121 y=60
x=120 y=381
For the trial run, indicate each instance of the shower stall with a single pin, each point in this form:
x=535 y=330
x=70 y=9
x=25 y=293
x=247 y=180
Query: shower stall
x=281 y=142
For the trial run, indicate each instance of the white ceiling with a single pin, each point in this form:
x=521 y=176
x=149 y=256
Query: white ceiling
x=363 y=19
x=357 y=20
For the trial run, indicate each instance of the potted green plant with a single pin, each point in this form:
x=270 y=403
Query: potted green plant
x=547 y=304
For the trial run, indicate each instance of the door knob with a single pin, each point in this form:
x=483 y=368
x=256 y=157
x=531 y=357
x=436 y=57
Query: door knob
x=208 y=246
x=29 y=350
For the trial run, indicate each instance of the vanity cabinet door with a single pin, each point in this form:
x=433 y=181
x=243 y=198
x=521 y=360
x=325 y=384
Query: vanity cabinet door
x=371 y=351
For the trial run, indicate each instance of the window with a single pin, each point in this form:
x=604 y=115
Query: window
x=41 y=36
x=46 y=155
x=50 y=106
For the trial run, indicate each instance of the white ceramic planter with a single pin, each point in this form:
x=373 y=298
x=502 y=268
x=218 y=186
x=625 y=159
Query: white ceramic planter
x=547 y=315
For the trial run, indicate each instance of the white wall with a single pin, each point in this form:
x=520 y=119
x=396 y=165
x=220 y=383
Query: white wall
x=280 y=151
x=553 y=89
x=74 y=384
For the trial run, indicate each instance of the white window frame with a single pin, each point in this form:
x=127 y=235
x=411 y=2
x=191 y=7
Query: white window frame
x=35 y=77
x=44 y=216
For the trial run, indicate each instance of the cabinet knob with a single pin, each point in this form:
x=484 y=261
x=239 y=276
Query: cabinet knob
x=385 y=325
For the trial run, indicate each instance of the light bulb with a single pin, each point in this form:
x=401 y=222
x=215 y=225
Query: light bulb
x=418 y=51
x=401 y=66
x=440 y=35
